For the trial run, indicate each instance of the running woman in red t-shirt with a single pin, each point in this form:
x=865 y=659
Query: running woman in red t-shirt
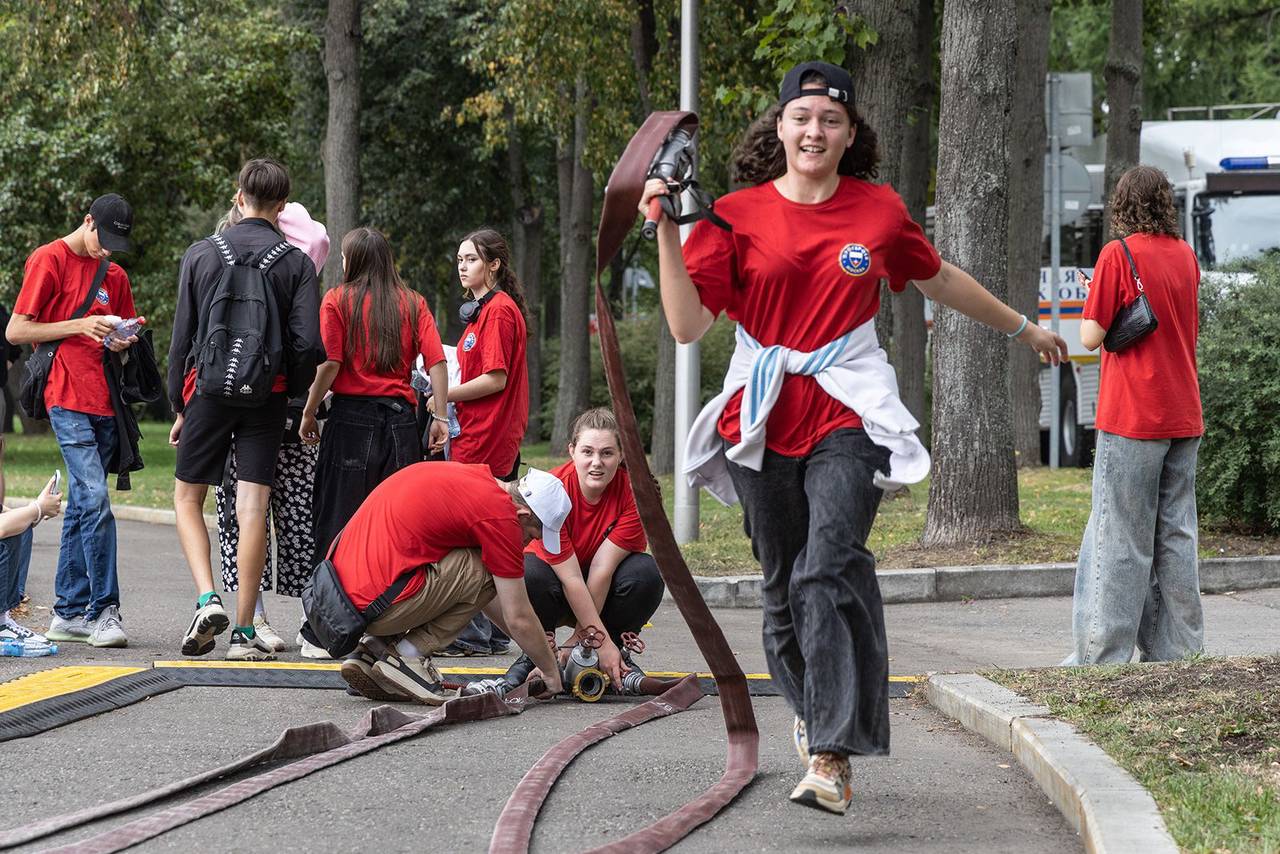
x=373 y=327
x=601 y=575
x=492 y=399
x=812 y=238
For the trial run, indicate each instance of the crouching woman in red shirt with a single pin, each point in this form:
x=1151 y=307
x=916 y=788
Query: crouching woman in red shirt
x=600 y=576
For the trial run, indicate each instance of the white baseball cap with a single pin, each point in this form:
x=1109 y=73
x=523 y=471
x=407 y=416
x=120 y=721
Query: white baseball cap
x=546 y=497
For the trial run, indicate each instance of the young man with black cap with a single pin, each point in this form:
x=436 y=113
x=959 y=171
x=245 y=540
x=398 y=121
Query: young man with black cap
x=809 y=428
x=60 y=279
x=207 y=422
x=450 y=538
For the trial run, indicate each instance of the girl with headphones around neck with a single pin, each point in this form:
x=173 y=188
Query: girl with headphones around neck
x=374 y=327
x=492 y=400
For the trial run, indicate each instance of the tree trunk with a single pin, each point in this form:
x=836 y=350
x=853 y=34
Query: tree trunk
x=574 y=394
x=895 y=96
x=974 y=491
x=526 y=259
x=1026 y=212
x=342 y=134
x=1123 y=74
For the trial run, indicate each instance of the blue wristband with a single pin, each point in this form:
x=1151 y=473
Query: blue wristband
x=1018 y=331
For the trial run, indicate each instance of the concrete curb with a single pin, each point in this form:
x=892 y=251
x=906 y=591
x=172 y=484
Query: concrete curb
x=1110 y=810
x=954 y=583
x=900 y=586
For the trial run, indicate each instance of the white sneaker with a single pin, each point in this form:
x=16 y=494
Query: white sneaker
x=269 y=635
x=18 y=640
x=108 y=629
x=309 y=650
x=73 y=630
x=243 y=648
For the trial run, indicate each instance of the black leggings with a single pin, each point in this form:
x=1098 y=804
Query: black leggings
x=634 y=594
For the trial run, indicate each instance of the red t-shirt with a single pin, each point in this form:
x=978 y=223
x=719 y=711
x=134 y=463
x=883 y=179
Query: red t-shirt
x=493 y=426
x=801 y=276
x=54 y=284
x=419 y=515
x=614 y=517
x=354 y=376
x=1151 y=390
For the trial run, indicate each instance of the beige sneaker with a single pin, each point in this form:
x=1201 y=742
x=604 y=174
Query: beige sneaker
x=417 y=677
x=269 y=635
x=358 y=672
x=826 y=786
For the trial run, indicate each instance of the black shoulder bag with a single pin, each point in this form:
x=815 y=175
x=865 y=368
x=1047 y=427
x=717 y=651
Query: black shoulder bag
x=1133 y=322
x=333 y=618
x=36 y=377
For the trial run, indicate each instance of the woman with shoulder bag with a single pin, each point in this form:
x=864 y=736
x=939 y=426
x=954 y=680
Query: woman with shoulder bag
x=1137 y=580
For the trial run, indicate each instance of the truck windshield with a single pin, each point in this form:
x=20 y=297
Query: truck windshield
x=1235 y=228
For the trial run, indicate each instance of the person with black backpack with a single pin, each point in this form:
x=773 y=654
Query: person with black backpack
x=246 y=338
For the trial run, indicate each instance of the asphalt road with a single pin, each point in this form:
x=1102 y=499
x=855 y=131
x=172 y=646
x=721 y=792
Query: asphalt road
x=941 y=790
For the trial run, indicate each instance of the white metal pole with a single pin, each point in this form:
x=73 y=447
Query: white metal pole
x=1055 y=259
x=688 y=356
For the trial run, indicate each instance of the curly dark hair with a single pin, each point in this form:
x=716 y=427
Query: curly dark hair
x=1143 y=202
x=759 y=155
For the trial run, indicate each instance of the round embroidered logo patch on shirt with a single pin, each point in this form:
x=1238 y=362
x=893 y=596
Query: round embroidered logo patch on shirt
x=855 y=259
x=469 y=342
x=102 y=296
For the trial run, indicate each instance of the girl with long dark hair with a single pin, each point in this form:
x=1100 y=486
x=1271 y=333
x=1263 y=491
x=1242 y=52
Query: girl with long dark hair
x=492 y=401
x=800 y=273
x=374 y=327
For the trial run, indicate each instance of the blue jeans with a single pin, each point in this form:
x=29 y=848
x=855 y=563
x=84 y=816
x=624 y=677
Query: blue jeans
x=1137 y=580
x=481 y=636
x=86 y=581
x=15 y=557
x=824 y=638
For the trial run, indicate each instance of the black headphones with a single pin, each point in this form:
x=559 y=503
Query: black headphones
x=469 y=311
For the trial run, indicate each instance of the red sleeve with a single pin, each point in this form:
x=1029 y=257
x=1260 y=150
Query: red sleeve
x=333 y=329
x=501 y=546
x=1111 y=281
x=122 y=294
x=498 y=345
x=428 y=337
x=709 y=257
x=39 y=284
x=628 y=533
x=913 y=258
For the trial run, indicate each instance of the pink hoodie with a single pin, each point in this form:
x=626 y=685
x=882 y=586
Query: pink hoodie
x=302 y=231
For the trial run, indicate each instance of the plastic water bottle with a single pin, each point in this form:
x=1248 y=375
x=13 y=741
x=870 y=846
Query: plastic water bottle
x=124 y=328
x=17 y=649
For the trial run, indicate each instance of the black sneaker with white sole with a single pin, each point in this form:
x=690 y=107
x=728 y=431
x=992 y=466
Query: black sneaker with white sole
x=417 y=677
x=209 y=622
x=245 y=648
x=358 y=672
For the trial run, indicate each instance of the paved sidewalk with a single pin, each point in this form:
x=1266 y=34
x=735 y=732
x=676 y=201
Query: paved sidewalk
x=942 y=790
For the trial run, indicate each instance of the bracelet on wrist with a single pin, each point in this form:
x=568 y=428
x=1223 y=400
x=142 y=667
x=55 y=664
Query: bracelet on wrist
x=39 y=516
x=1019 y=330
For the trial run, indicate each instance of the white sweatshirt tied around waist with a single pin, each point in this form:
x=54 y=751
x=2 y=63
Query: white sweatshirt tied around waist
x=852 y=369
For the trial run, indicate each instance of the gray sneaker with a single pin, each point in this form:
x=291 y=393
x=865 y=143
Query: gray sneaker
x=244 y=648
x=73 y=630
x=108 y=629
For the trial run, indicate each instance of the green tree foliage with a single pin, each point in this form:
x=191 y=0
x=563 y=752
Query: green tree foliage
x=1239 y=475
x=159 y=101
x=1198 y=52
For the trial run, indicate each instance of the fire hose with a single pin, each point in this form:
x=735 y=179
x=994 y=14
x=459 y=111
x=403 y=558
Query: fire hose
x=310 y=748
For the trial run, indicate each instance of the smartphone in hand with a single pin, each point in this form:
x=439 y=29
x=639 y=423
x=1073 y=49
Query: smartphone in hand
x=56 y=482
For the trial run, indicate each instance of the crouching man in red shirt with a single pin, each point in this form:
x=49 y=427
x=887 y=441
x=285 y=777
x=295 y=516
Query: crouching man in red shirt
x=459 y=534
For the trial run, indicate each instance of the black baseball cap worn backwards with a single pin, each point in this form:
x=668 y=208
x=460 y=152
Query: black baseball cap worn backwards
x=839 y=83
x=114 y=220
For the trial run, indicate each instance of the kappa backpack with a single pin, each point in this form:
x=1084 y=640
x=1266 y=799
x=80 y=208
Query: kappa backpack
x=238 y=345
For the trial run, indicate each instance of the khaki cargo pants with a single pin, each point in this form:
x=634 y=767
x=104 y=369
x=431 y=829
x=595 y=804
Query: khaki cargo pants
x=456 y=588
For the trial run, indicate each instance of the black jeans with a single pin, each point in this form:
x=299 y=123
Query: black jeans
x=808 y=519
x=635 y=593
x=365 y=441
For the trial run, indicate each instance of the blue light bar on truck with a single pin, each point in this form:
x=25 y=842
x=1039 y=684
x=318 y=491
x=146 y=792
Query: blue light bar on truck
x=1238 y=163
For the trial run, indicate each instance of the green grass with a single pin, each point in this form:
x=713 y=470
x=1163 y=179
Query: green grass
x=1203 y=736
x=1055 y=507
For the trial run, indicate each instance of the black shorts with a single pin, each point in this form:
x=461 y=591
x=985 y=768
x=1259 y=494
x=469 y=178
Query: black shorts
x=207 y=433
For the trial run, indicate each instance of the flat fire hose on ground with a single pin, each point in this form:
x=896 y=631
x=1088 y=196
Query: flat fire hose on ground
x=317 y=746
x=515 y=824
